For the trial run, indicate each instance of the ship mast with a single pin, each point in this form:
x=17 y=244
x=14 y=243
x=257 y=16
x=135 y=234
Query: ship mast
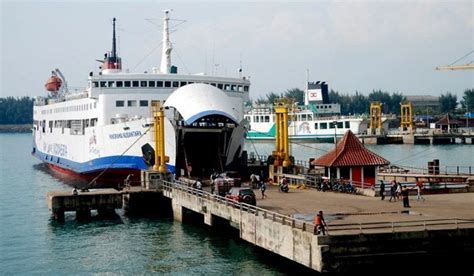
x=111 y=63
x=165 y=67
x=114 y=43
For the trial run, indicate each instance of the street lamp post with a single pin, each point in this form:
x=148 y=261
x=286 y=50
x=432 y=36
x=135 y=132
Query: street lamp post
x=335 y=135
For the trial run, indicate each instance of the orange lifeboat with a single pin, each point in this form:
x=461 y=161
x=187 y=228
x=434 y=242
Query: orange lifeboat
x=53 y=84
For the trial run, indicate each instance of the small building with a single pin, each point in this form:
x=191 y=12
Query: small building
x=423 y=101
x=351 y=160
x=447 y=123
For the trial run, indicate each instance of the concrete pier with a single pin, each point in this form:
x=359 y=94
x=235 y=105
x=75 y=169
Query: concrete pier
x=361 y=231
x=105 y=201
x=427 y=137
x=354 y=240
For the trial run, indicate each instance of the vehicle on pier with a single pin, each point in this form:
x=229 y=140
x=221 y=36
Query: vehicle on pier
x=242 y=194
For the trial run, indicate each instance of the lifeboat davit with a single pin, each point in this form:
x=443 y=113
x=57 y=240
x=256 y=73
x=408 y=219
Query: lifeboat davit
x=53 y=84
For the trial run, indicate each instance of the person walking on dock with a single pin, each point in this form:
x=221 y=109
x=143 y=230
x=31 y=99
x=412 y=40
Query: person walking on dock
x=393 y=188
x=382 y=190
x=319 y=224
x=419 y=186
x=404 y=193
x=254 y=181
x=398 y=190
x=263 y=187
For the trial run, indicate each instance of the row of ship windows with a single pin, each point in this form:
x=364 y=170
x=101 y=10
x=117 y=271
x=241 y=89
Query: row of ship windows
x=80 y=107
x=76 y=127
x=259 y=119
x=131 y=103
x=266 y=119
x=340 y=125
x=165 y=84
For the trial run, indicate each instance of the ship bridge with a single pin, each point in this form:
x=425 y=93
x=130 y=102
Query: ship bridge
x=209 y=133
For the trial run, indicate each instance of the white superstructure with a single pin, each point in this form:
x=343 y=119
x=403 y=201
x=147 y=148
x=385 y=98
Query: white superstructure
x=108 y=125
x=303 y=124
x=316 y=120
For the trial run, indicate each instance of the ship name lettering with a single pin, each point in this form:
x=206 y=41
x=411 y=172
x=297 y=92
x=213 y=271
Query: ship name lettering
x=125 y=134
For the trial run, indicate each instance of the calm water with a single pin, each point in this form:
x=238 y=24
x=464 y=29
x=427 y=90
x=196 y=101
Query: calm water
x=31 y=242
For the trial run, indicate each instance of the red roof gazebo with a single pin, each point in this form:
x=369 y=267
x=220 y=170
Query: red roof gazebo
x=350 y=160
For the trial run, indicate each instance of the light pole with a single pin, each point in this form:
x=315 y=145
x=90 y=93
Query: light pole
x=335 y=135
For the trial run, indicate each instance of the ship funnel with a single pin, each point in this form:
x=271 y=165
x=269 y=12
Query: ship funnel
x=165 y=67
x=112 y=63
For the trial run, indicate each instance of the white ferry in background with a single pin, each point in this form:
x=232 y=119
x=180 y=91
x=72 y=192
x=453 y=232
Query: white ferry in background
x=317 y=120
x=108 y=126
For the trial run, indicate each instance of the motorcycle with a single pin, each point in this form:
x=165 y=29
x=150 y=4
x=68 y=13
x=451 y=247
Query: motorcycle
x=284 y=188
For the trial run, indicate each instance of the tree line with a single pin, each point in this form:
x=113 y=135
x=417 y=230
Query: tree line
x=20 y=110
x=360 y=104
x=16 y=110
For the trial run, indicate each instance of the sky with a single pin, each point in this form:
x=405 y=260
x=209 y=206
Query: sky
x=352 y=45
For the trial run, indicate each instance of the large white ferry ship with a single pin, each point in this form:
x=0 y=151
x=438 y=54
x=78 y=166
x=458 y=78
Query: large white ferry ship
x=317 y=120
x=108 y=126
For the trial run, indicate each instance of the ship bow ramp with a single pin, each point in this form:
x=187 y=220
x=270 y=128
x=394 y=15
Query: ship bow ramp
x=209 y=128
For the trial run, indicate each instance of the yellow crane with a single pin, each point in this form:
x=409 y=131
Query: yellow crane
x=467 y=66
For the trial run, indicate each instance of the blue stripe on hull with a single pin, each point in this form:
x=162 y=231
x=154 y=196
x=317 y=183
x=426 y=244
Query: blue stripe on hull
x=119 y=162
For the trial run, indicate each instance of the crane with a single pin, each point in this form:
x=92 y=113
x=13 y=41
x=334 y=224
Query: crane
x=467 y=66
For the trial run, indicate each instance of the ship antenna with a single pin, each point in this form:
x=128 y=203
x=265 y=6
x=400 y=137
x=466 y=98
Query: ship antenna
x=306 y=88
x=114 y=43
x=165 y=67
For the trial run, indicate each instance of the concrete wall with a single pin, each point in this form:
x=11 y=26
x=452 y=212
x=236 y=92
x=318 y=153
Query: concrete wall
x=255 y=227
x=347 y=252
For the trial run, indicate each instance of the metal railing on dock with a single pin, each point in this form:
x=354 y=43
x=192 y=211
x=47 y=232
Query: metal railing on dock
x=400 y=226
x=332 y=229
x=257 y=211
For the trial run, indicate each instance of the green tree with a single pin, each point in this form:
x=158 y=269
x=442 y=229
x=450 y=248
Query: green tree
x=447 y=102
x=16 y=110
x=359 y=103
x=468 y=99
x=296 y=94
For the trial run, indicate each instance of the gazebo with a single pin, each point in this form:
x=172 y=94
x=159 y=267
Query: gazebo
x=447 y=123
x=351 y=160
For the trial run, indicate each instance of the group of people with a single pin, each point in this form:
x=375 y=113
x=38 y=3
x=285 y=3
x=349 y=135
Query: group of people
x=398 y=191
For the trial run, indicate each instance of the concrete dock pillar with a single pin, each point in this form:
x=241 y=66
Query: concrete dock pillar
x=208 y=219
x=58 y=214
x=83 y=214
x=177 y=212
x=409 y=139
x=106 y=212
